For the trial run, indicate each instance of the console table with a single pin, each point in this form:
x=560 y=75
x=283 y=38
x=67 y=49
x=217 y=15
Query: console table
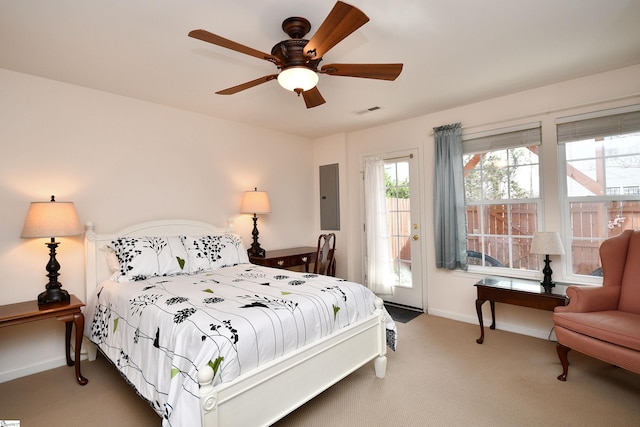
x=29 y=311
x=286 y=258
x=526 y=293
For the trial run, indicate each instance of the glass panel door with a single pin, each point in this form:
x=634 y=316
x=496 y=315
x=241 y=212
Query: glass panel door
x=403 y=225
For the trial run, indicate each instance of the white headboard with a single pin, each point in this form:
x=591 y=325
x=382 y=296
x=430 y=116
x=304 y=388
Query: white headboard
x=96 y=268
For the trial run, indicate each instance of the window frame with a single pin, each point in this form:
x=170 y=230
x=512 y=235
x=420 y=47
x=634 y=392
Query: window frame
x=525 y=135
x=604 y=123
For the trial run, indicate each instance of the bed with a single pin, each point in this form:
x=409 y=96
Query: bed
x=208 y=338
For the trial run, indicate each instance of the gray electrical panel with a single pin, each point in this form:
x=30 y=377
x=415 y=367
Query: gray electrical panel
x=329 y=197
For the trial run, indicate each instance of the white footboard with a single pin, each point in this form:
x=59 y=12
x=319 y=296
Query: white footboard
x=277 y=388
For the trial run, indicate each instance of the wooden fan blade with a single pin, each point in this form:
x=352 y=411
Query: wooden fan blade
x=367 y=71
x=247 y=85
x=229 y=44
x=343 y=20
x=312 y=97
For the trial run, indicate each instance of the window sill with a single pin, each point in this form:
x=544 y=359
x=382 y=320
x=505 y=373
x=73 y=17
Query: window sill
x=479 y=273
x=502 y=272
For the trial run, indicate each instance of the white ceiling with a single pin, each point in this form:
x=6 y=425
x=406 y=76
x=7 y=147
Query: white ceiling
x=455 y=52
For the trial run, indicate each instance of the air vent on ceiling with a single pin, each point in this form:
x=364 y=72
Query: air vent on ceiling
x=368 y=110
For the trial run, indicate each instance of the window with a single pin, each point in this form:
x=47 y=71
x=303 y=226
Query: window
x=602 y=155
x=502 y=197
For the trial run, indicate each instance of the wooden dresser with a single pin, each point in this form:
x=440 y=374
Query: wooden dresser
x=287 y=258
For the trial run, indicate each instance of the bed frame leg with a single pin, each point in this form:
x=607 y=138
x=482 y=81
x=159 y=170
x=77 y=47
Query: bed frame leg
x=380 y=365
x=91 y=349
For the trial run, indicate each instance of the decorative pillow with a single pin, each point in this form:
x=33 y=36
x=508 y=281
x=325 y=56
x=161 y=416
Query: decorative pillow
x=206 y=253
x=142 y=257
x=111 y=258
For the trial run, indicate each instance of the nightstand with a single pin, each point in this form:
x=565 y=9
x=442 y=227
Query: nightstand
x=70 y=313
x=286 y=258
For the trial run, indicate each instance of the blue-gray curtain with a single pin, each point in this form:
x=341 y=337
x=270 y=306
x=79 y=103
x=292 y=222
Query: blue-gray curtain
x=449 y=209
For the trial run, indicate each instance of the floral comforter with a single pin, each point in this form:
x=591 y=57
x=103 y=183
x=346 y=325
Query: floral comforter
x=159 y=331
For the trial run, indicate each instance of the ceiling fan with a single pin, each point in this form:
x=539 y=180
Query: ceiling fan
x=298 y=58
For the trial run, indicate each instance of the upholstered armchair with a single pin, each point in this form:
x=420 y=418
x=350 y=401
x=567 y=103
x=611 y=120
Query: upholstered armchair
x=604 y=322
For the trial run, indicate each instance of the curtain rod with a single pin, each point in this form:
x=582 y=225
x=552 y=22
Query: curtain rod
x=398 y=158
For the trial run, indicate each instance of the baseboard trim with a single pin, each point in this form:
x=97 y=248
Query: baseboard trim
x=40 y=367
x=503 y=326
x=32 y=369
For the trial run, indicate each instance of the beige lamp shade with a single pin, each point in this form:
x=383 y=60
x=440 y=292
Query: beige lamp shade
x=546 y=243
x=255 y=202
x=51 y=219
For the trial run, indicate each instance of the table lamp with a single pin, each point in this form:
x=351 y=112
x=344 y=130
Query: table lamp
x=52 y=219
x=255 y=202
x=546 y=243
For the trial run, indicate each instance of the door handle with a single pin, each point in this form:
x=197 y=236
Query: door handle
x=415 y=237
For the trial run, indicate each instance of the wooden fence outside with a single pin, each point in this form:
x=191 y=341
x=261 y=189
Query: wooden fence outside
x=592 y=223
x=589 y=230
x=399 y=228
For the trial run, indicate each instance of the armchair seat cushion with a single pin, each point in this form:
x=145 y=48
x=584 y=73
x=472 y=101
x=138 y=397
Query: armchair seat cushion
x=613 y=326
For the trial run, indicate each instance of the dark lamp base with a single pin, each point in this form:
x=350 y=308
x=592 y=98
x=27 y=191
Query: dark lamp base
x=257 y=252
x=547 y=286
x=256 y=249
x=546 y=282
x=53 y=290
x=54 y=295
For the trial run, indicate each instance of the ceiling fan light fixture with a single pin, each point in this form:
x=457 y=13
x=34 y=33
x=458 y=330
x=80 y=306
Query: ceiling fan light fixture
x=298 y=58
x=298 y=79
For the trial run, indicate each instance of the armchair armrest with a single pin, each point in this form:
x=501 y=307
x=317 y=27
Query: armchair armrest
x=584 y=299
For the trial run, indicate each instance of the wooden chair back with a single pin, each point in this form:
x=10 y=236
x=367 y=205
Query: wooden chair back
x=325 y=261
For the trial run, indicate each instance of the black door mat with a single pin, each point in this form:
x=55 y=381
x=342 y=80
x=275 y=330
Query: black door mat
x=401 y=314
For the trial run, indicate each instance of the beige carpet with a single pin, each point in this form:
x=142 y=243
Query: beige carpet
x=438 y=377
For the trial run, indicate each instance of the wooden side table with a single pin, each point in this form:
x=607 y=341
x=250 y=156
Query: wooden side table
x=286 y=258
x=526 y=293
x=29 y=311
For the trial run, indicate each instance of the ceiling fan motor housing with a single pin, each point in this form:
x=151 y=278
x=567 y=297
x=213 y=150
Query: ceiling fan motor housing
x=291 y=52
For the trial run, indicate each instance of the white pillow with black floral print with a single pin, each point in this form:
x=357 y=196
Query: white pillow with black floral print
x=143 y=257
x=207 y=253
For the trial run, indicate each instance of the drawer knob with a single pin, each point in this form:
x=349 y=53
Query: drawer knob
x=281 y=263
x=304 y=259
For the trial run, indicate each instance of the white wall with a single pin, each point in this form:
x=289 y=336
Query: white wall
x=123 y=161
x=326 y=151
x=451 y=294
